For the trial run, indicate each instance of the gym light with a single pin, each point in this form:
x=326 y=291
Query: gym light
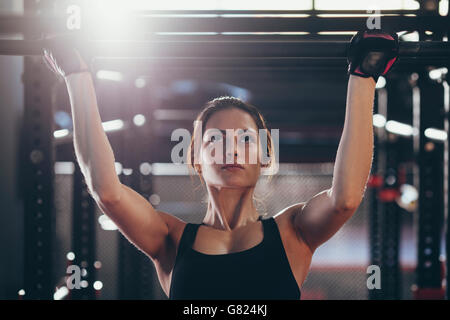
x=139 y=120
x=60 y=133
x=118 y=167
x=443 y=7
x=379 y=120
x=220 y=5
x=400 y=128
x=61 y=293
x=145 y=168
x=186 y=33
x=154 y=199
x=365 y=5
x=233 y=33
x=140 y=83
x=381 y=83
x=114 y=16
x=127 y=171
x=263 y=15
x=109 y=75
x=98 y=285
x=411 y=36
x=64 y=167
x=344 y=15
x=112 y=125
x=408 y=197
x=437 y=74
x=435 y=134
x=70 y=256
x=336 y=33
x=106 y=223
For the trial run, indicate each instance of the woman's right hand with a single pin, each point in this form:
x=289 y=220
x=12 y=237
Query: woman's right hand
x=61 y=56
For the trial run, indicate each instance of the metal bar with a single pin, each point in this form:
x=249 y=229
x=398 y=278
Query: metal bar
x=170 y=13
x=223 y=49
x=282 y=24
x=37 y=175
x=391 y=220
x=145 y=24
x=447 y=185
x=378 y=167
x=288 y=65
x=83 y=235
x=385 y=219
x=431 y=194
x=266 y=12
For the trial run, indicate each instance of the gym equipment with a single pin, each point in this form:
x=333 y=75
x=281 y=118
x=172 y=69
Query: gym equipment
x=429 y=50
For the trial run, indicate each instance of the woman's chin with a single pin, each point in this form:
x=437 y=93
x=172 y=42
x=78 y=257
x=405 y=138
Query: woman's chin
x=235 y=182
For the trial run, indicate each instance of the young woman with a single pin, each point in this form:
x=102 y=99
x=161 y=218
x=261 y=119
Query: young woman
x=234 y=253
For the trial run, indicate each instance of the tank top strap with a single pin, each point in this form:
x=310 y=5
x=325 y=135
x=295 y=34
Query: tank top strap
x=188 y=237
x=271 y=233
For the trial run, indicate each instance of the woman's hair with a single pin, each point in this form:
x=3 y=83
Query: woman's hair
x=223 y=103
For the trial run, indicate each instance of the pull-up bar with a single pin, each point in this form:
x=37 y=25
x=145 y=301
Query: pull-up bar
x=224 y=49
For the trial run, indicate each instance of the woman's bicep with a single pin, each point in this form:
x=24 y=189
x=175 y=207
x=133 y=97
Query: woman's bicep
x=319 y=219
x=137 y=220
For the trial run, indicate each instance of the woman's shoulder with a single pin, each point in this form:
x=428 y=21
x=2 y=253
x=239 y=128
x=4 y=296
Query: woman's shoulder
x=288 y=214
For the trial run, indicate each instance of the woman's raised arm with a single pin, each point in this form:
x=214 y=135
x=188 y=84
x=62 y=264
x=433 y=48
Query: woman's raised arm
x=371 y=54
x=133 y=214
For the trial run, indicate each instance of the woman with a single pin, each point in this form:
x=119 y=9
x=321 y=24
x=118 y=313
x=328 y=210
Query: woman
x=234 y=253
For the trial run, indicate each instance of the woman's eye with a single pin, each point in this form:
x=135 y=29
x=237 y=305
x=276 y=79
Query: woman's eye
x=247 y=139
x=215 y=138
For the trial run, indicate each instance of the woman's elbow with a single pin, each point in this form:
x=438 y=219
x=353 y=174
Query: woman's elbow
x=109 y=197
x=347 y=204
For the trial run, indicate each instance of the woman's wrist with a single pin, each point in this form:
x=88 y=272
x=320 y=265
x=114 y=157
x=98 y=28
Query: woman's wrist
x=363 y=81
x=77 y=74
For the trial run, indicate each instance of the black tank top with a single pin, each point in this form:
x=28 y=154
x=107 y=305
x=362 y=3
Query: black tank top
x=261 y=272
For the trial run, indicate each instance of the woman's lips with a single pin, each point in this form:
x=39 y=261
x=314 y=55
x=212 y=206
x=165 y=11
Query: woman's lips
x=232 y=167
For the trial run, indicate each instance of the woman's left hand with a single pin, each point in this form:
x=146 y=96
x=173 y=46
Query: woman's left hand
x=372 y=53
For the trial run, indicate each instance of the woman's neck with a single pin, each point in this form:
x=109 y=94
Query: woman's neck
x=230 y=208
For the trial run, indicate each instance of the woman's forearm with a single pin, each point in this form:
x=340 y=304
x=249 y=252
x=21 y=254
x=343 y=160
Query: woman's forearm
x=93 y=151
x=355 y=152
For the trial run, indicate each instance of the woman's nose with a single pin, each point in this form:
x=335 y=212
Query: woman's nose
x=232 y=152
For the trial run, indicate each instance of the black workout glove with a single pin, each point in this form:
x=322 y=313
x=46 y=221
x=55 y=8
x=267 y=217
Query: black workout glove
x=372 y=53
x=62 y=57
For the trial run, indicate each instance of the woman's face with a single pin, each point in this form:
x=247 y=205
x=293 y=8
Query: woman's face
x=245 y=153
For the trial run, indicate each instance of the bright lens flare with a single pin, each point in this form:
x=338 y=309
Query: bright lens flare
x=110 y=19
